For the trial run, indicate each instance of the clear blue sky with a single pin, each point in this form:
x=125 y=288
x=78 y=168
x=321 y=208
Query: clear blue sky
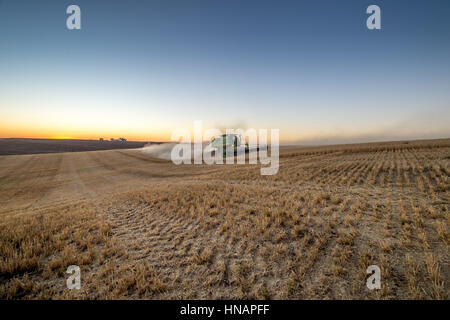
x=143 y=68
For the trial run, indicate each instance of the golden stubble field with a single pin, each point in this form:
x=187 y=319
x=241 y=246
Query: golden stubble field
x=143 y=228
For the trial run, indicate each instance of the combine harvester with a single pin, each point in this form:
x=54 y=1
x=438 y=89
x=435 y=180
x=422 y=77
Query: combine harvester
x=231 y=141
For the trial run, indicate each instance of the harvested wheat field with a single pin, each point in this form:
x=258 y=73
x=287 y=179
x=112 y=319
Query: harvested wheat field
x=144 y=228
